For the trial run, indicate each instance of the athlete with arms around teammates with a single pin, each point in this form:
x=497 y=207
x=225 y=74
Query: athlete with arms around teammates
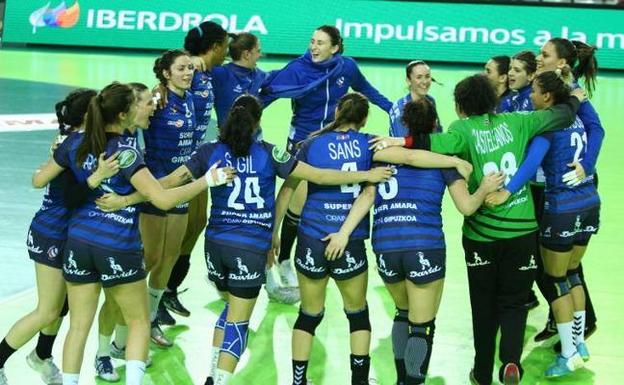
x=46 y=240
x=409 y=243
x=340 y=145
x=104 y=250
x=499 y=243
x=207 y=43
x=571 y=216
x=315 y=82
x=418 y=79
x=238 y=235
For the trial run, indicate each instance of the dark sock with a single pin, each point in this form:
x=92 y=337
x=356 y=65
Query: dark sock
x=300 y=371
x=5 y=352
x=179 y=272
x=360 y=367
x=44 y=346
x=288 y=235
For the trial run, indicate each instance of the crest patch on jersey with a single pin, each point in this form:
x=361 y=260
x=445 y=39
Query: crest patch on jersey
x=126 y=158
x=280 y=155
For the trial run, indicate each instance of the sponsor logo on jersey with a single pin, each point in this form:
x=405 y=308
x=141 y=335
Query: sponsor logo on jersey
x=340 y=82
x=59 y=16
x=126 y=158
x=280 y=155
x=53 y=252
x=238 y=89
x=176 y=123
x=477 y=261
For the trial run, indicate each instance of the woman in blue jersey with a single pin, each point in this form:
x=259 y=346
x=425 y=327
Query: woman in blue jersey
x=207 y=43
x=315 y=82
x=521 y=73
x=339 y=145
x=238 y=235
x=418 y=79
x=496 y=69
x=104 y=249
x=169 y=142
x=412 y=261
x=559 y=53
x=571 y=216
x=46 y=239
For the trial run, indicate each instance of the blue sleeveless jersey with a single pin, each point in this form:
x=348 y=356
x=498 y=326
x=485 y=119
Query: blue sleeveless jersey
x=242 y=212
x=203 y=101
x=327 y=207
x=397 y=128
x=567 y=146
x=408 y=210
x=118 y=230
x=170 y=139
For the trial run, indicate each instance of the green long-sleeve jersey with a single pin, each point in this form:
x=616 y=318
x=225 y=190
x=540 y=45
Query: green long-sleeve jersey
x=494 y=142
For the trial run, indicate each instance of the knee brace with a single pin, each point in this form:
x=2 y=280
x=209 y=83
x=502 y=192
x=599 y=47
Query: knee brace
x=308 y=322
x=400 y=315
x=221 y=321
x=235 y=338
x=555 y=287
x=573 y=278
x=418 y=349
x=400 y=333
x=358 y=320
x=65 y=308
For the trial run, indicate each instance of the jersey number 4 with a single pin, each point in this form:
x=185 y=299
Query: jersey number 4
x=354 y=188
x=251 y=193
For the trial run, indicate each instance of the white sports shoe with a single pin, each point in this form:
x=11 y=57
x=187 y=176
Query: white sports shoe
x=3 y=379
x=105 y=369
x=120 y=354
x=50 y=373
x=287 y=274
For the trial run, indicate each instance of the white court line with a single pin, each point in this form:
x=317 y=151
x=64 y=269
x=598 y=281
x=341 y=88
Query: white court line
x=27 y=122
x=17 y=295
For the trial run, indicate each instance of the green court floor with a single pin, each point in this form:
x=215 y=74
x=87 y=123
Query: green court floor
x=267 y=360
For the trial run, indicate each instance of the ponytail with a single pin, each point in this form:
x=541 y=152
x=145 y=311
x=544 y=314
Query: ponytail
x=70 y=111
x=103 y=110
x=573 y=51
x=243 y=119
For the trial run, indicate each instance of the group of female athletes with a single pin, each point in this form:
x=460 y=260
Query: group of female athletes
x=125 y=218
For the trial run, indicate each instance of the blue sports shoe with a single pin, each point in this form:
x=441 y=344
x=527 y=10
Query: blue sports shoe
x=582 y=351
x=563 y=366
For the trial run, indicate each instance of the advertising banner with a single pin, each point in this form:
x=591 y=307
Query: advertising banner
x=371 y=28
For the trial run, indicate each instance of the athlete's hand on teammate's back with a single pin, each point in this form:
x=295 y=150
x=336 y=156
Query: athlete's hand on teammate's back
x=378 y=143
x=576 y=176
x=464 y=168
x=111 y=202
x=219 y=176
x=380 y=174
x=337 y=242
x=493 y=181
x=107 y=167
x=497 y=198
x=580 y=94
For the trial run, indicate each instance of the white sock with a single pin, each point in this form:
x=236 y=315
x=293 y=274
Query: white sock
x=154 y=299
x=214 y=360
x=222 y=377
x=103 y=346
x=579 y=327
x=70 y=378
x=567 y=339
x=135 y=370
x=121 y=336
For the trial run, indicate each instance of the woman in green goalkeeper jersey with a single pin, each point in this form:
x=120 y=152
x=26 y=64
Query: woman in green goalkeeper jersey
x=499 y=243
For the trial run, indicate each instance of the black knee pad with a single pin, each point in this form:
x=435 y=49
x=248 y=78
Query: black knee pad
x=400 y=315
x=245 y=292
x=308 y=322
x=65 y=308
x=555 y=287
x=574 y=278
x=424 y=330
x=359 y=320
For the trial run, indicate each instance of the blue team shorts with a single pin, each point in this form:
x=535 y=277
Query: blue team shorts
x=417 y=266
x=85 y=263
x=234 y=267
x=148 y=208
x=311 y=262
x=44 y=250
x=561 y=231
